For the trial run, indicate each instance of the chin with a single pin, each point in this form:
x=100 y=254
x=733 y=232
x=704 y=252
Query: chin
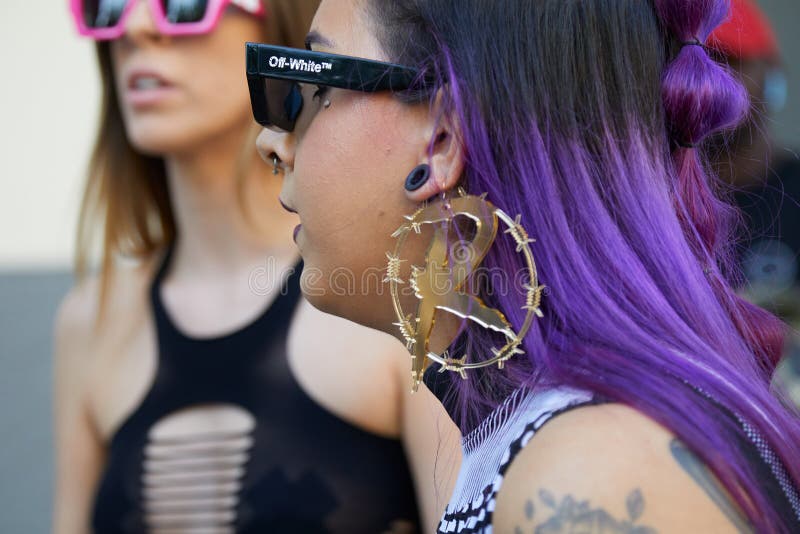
x=163 y=133
x=157 y=141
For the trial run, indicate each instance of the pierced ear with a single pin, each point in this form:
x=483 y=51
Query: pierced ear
x=445 y=155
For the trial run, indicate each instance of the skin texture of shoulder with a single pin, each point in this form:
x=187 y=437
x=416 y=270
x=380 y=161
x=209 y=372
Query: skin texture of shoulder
x=79 y=452
x=363 y=376
x=611 y=469
x=347 y=369
x=79 y=363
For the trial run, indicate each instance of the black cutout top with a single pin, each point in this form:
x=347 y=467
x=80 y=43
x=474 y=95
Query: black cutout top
x=299 y=469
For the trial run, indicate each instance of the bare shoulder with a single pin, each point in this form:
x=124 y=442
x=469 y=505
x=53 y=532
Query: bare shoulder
x=609 y=468
x=347 y=368
x=77 y=323
x=76 y=316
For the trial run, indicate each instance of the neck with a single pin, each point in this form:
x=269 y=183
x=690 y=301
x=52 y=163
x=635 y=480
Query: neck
x=226 y=209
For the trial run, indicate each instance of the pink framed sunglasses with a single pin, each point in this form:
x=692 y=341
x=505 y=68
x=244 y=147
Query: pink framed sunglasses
x=105 y=19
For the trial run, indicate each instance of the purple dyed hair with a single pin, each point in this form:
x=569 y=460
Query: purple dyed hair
x=587 y=118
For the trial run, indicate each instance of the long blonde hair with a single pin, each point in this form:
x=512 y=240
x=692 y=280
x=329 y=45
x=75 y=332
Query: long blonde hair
x=126 y=204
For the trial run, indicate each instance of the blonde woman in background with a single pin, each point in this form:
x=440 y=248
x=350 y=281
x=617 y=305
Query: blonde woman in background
x=190 y=396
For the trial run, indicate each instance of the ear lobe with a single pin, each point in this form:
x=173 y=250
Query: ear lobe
x=447 y=161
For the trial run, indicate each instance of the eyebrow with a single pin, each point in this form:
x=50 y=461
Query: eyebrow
x=314 y=37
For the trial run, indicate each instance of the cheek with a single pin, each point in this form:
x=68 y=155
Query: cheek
x=212 y=76
x=215 y=63
x=212 y=97
x=224 y=97
x=361 y=133
x=350 y=166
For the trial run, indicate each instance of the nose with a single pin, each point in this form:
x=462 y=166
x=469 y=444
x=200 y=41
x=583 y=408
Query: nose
x=140 y=26
x=272 y=143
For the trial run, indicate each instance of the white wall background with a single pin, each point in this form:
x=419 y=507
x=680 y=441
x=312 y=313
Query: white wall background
x=48 y=113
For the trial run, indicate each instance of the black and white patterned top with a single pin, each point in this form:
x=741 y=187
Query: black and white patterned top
x=492 y=446
x=490 y=449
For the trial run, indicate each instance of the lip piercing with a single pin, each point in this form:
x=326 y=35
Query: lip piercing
x=275 y=160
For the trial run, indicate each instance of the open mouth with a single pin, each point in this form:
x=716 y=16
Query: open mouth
x=147 y=88
x=146 y=81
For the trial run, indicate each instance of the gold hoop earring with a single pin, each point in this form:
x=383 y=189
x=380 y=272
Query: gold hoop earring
x=416 y=328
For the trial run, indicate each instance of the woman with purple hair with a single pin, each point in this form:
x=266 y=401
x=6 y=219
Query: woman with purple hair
x=534 y=172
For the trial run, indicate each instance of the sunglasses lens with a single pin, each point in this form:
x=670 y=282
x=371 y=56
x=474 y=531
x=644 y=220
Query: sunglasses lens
x=184 y=11
x=102 y=13
x=284 y=102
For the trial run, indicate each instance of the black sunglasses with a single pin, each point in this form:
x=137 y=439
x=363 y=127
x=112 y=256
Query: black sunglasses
x=275 y=72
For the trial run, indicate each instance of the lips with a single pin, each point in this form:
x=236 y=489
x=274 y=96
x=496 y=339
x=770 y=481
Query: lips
x=147 y=87
x=146 y=79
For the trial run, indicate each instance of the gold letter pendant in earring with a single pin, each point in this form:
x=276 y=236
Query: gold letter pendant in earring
x=442 y=264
